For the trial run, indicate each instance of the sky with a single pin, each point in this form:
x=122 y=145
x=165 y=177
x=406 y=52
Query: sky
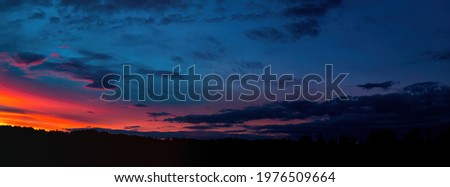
x=53 y=54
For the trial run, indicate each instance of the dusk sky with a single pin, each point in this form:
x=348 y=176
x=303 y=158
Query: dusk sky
x=53 y=54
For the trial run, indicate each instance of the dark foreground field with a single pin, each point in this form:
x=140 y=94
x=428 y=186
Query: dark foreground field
x=29 y=147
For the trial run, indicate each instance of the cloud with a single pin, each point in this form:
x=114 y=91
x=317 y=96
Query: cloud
x=291 y=32
x=37 y=15
x=209 y=49
x=154 y=4
x=206 y=55
x=252 y=65
x=14 y=4
x=423 y=87
x=267 y=34
x=54 y=20
x=383 y=85
x=434 y=56
x=138 y=20
x=5 y=57
x=77 y=70
x=177 y=59
x=304 y=22
x=22 y=59
x=94 y=55
x=29 y=58
x=208 y=126
x=159 y=114
x=300 y=29
x=79 y=4
x=214 y=41
x=5 y=5
x=311 y=8
x=249 y=16
x=215 y=19
x=12 y=110
x=176 y=18
x=90 y=15
x=268 y=111
x=174 y=75
x=418 y=105
x=442 y=56
x=133 y=127
x=140 y=105
x=357 y=125
x=119 y=6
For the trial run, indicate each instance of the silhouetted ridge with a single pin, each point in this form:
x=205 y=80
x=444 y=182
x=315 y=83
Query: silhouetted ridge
x=28 y=147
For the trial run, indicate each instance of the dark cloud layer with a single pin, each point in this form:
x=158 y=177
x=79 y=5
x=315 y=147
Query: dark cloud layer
x=205 y=55
x=28 y=58
x=420 y=104
x=309 y=27
x=301 y=17
x=13 y=4
x=119 y=5
x=311 y=8
x=443 y=56
x=158 y=114
x=12 y=110
x=267 y=34
x=289 y=33
x=176 y=18
x=305 y=15
x=95 y=55
x=140 y=105
x=384 y=85
x=72 y=68
x=37 y=15
x=249 y=16
x=215 y=19
x=132 y=127
x=207 y=127
x=77 y=70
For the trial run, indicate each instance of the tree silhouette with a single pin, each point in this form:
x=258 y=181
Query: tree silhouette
x=29 y=147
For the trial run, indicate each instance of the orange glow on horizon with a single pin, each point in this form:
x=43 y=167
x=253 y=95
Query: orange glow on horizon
x=39 y=121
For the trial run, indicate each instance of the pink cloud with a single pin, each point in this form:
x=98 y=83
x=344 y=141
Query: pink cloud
x=24 y=59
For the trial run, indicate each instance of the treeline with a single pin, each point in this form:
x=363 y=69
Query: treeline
x=29 y=147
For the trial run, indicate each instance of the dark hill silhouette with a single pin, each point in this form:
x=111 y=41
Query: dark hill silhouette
x=29 y=147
